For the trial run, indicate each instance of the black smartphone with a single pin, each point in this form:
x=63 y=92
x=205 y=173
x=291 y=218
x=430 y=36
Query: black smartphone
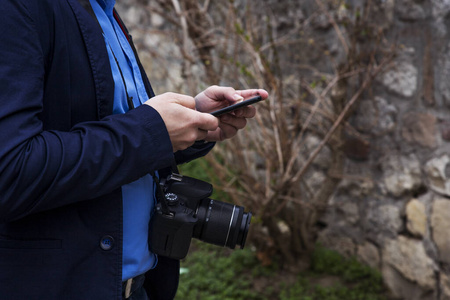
x=236 y=106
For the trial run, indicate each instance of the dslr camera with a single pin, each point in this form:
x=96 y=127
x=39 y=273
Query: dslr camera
x=186 y=212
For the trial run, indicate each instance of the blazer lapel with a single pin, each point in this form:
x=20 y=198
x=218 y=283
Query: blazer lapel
x=98 y=56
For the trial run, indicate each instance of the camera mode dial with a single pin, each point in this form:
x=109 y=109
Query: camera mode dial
x=172 y=199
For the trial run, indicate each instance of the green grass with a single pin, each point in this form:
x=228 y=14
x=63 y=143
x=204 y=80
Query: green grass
x=213 y=273
x=217 y=273
x=356 y=281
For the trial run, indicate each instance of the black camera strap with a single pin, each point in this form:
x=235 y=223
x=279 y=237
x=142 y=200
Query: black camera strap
x=160 y=196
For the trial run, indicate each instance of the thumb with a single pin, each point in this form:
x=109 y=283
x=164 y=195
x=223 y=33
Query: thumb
x=207 y=122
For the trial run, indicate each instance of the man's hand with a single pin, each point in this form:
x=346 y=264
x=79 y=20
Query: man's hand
x=184 y=124
x=216 y=97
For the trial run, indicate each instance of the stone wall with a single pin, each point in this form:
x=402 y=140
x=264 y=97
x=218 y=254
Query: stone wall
x=392 y=208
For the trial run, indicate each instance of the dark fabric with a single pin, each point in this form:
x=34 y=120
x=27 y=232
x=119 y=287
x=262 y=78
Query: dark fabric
x=162 y=282
x=137 y=290
x=63 y=157
x=55 y=80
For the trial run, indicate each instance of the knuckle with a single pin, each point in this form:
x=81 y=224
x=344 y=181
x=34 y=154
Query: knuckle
x=191 y=137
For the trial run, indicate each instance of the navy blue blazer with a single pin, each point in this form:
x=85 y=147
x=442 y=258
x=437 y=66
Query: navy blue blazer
x=63 y=157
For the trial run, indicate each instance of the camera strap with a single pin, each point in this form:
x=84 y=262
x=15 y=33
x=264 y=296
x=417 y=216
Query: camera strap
x=160 y=197
x=160 y=193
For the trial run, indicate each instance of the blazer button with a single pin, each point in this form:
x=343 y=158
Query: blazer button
x=107 y=242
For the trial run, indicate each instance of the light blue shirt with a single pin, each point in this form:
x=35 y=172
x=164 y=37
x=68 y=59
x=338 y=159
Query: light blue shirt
x=138 y=197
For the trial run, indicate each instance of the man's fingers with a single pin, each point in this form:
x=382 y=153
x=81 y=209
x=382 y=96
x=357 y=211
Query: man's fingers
x=245 y=112
x=184 y=124
x=253 y=92
x=207 y=122
x=233 y=121
x=202 y=134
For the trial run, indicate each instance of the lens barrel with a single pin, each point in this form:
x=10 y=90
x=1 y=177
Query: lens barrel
x=221 y=223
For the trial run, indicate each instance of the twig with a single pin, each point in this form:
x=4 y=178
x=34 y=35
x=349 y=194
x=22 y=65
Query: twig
x=335 y=26
x=205 y=6
x=338 y=121
x=187 y=62
x=320 y=97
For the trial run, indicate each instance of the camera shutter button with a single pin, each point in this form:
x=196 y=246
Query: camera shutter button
x=172 y=199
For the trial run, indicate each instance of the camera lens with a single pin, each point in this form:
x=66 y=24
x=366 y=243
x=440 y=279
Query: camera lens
x=222 y=223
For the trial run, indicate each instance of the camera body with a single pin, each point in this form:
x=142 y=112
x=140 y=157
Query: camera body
x=187 y=212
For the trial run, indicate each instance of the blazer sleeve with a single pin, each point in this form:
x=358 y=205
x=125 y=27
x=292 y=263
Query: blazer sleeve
x=41 y=170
